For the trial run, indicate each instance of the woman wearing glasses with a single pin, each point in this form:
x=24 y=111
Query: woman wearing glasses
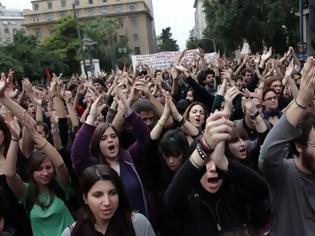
x=271 y=112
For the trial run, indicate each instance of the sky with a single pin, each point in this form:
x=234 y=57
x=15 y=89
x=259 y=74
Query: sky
x=177 y=14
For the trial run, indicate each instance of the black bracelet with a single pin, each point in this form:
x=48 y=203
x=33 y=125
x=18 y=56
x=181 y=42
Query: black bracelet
x=203 y=155
x=299 y=105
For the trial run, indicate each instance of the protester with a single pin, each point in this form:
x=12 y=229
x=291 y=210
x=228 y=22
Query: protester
x=291 y=178
x=106 y=210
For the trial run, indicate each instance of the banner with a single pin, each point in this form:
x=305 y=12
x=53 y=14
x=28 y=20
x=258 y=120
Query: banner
x=164 y=60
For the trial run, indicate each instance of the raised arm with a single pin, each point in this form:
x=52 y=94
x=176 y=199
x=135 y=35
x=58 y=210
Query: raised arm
x=80 y=154
x=272 y=154
x=13 y=179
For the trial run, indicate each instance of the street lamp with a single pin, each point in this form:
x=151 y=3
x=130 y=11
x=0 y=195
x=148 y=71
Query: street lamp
x=88 y=46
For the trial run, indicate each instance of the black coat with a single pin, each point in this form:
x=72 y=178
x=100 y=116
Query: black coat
x=197 y=212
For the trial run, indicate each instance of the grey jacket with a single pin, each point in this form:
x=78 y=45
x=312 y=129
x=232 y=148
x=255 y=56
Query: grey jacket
x=292 y=192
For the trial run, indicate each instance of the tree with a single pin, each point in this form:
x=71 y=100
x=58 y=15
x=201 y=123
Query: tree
x=64 y=43
x=266 y=21
x=103 y=31
x=205 y=44
x=28 y=59
x=167 y=43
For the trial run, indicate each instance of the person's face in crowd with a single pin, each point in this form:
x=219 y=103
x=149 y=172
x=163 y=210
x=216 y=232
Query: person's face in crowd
x=174 y=161
x=286 y=92
x=258 y=104
x=41 y=130
x=190 y=96
x=44 y=173
x=308 y=153
x=197 y=115
x=210 y=80
x=246 y=78
x=31 y=110
x=277 y=86
x=148 y=118
x=109 y=144
x=239 y=148
x=1 y=137
x=239 y=84
x=270 y=101
x=103 y=200
x=210 y=181
x=98 y=87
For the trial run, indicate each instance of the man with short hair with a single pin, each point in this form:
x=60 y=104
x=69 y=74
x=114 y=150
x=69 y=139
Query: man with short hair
x=291 y=181
x=145 y=110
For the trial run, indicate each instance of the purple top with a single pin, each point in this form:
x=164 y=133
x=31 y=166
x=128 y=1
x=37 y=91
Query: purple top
x=82 y=159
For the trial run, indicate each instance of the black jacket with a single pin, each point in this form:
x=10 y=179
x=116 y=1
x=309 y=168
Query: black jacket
x=198 y=212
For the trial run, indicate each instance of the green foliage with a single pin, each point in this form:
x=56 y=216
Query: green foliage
x=64 y=43
x=267 y=21
x=26 y=58
x=103 y=31
x=61 y=51
x=205 y=44
x=167 y=43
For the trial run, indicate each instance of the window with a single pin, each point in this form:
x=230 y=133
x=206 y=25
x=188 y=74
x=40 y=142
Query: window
x=0 y=40
x=35 y=6
x=63 y=3
x=132 y=7
x=7 y=40
x=77 y=12
x=35 y=18
x=120 y=22
x=135 y=38
x=90 y=1
x=49 y=5
x=104 y=0
x=137 y=50
x=14 y=31
x=6 y=30
x=104 y=10
x=49 y=17
x=38 y=33
x=133 y=21
x=117 y=8
x=90 y=12
x=77 y=2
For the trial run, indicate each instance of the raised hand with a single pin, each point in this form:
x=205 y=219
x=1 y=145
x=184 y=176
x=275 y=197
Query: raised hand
x=122 y=103
x=266 y=55
x=218 y=128
x=307 y=85
x=97 y=107
x=4 y=82
x=15 y=128
x=230 y=95
x=289 y=69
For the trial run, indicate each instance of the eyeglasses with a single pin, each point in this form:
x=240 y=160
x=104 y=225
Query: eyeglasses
x=271 y=98
x=311 y=143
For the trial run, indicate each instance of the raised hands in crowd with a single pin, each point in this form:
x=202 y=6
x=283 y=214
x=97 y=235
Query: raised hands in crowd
x=194 y=147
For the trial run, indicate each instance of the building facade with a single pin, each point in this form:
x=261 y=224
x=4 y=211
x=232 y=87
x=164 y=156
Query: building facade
x=200 y=20
x=135 y=18
x=10 y=22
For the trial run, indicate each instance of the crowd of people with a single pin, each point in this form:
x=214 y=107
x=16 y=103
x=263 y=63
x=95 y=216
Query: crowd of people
x=220 y=148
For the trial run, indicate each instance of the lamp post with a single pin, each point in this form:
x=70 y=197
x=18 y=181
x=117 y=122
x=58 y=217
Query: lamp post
x=88 y=46
x=79 y=33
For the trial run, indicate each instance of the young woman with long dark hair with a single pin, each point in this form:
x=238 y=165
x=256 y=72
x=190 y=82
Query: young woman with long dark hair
x=106 y=210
